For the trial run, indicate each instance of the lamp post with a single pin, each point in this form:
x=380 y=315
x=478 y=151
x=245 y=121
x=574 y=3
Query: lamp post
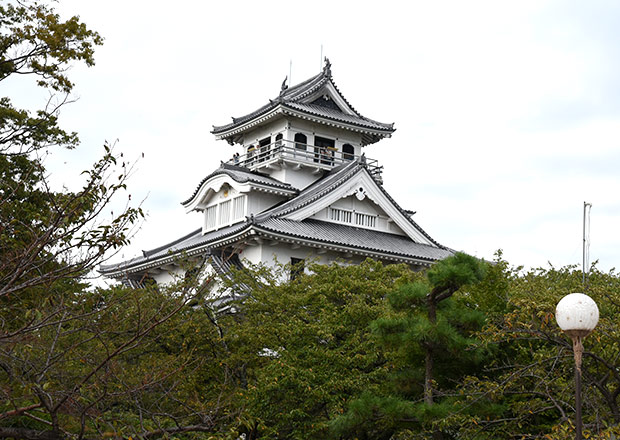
x=577 y=315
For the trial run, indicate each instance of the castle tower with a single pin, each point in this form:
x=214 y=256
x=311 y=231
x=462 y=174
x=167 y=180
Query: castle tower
x=302 y=189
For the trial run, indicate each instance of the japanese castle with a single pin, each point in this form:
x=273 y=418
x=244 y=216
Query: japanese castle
x=302 y=189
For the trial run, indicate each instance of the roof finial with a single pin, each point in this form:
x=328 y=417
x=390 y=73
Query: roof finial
x=283 y=87
x=328 y=67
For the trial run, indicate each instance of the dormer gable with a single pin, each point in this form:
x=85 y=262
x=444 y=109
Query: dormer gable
x=240 y=179
x=230 y=194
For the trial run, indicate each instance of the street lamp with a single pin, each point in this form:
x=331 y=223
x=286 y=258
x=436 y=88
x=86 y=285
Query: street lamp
x=577 y=315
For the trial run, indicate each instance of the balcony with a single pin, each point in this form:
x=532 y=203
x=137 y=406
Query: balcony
x=282 y=153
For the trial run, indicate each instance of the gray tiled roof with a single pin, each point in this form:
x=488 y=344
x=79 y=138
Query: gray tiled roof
x=336 y=115
x=336 y=177
x=243 y=175
x=271 y=221
x=190 y=241
x=292 y=98
x=359 y=238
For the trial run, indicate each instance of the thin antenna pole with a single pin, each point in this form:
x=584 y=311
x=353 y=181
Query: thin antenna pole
x=321 y=60
x=586 y=243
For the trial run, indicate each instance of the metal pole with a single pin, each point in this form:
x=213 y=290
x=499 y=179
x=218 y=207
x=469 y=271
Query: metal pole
x=577 y=352
x=586 y=237
x=583 y=250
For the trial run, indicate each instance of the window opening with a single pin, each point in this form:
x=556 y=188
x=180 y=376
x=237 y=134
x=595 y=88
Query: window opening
x=324 y=150
x=300 y=141
x=297 y=267
x=264 y=149
x=348 y=152
x=278 y=143
x=351 y=217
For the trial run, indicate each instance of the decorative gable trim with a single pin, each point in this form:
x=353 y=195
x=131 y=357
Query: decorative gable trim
x=363 y=183
x=214 y=183
x=329 y=89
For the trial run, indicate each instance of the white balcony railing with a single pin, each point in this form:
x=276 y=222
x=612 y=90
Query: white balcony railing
x=302 y=154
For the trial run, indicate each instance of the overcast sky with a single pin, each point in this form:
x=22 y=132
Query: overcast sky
x=507 y=114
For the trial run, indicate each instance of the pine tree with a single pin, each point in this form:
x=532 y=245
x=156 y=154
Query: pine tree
x=428 y=338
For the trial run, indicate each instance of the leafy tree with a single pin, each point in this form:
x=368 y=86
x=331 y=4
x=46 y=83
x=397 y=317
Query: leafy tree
x=303 y=349
x=429 y=340
x=78 y=361
x=531 y=377
x=35 y=41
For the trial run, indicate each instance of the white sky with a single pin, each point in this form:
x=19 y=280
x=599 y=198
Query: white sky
x=507 y=113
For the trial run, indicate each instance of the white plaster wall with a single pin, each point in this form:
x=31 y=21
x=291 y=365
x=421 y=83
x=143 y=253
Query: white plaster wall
x=259 y=201
x=251 y=253
x=283 y=252
x=297 y=178
x=169 y=276
x=271 y=129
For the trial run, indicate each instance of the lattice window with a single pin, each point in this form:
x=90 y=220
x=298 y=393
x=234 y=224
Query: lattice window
x=211 y=217
x=367 y=220
x=352 y=217
x=225 y=212
x=238 y=208
x=340 y=215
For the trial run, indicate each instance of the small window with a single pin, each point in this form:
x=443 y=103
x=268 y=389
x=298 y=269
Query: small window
x=348 y=152
x=297 y=267
x=300 y=141
x=278 y=142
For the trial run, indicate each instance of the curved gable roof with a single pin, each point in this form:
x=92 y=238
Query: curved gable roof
x=299 y=98
x=243 y=175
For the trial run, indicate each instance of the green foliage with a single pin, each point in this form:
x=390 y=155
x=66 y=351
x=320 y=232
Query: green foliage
x=35 y=42
x=529 y=381
x=428 y=337
x=454 y=272
x=305 y=347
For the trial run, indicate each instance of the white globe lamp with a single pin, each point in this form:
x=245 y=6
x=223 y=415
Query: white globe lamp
x=577 y=315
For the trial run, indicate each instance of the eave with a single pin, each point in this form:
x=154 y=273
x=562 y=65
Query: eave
x=235 y=134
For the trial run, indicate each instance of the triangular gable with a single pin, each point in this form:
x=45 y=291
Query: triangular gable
x=328 y=96
x=361 y=184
